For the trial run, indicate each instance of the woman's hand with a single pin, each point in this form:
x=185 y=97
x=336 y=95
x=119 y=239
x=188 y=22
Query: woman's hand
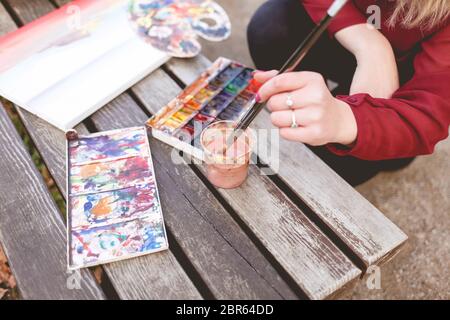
x=321 y=118
x=376 y=72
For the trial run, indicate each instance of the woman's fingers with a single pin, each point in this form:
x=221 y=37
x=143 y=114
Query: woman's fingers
x=264 y=76
x=305 y=135
x=286 y=82
x=289 y=100
x=303 y=117
x=279 y=102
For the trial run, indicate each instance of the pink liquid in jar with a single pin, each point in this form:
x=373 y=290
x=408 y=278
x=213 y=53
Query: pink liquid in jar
x=226 y=168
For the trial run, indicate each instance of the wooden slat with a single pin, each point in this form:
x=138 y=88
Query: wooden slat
x=158 y=276
x=133 y=279
x=28 y=11
x=31 y=229
x=62 y=2
x=359 y=224
x=6 y=23
x=310 y=258
x=191 y=213
x=44 y=136
x=363 y=228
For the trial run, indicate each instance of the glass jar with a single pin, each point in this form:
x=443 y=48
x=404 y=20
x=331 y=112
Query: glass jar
x=226 y=168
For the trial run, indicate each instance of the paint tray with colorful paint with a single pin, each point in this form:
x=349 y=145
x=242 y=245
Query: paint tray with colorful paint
x=225 y=91
x=113 y=210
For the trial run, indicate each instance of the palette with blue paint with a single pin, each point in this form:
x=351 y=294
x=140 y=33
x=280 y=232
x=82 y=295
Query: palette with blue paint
x=113 y=211
x=225 y=91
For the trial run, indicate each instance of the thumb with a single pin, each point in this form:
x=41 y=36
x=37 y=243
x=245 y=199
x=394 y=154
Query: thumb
x=264 y=76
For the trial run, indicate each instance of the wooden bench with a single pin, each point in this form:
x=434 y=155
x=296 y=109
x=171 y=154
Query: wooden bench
x=300 y=234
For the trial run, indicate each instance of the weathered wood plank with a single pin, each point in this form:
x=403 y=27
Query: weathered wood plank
x=62 y=2
x=316 y=265
x=6 y=23
x=188 y=208
x=158 y=276
x=27 y=11
x=312 y=260
x=44 y=136
x=31 y=228
x=364 y=229
x=133 y=279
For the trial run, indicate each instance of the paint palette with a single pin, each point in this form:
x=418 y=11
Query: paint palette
x=173 y=25
x=113 y=211
x=225 y=91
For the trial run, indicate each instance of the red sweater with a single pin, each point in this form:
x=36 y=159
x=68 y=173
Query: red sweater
x=417 y=116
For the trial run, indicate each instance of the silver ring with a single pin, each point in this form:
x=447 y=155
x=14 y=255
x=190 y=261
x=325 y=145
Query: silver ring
x=294 y=121
x=289 y=101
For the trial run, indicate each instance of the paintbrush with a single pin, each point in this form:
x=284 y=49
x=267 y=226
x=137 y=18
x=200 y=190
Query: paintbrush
x=289 y=66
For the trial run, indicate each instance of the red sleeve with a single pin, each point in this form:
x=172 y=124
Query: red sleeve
x=348 y=16
x=417 y=116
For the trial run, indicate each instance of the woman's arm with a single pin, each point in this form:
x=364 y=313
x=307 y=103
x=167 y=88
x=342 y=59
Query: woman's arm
x=417 y=116
x=410 y=123
x=376 y=72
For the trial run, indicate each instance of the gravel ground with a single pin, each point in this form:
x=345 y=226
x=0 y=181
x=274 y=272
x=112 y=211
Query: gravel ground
x=416 y=198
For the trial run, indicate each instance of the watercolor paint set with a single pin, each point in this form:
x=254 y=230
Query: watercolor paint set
x=225 y=91
x=113 y=210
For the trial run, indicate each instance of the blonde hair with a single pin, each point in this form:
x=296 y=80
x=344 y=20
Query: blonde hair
x=425 y=14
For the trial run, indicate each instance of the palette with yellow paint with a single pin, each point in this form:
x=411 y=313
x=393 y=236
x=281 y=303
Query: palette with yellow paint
x=113 y=211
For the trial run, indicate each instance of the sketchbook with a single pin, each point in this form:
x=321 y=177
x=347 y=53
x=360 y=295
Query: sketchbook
x=113 y=209
x=225 y=91
x=69 y=63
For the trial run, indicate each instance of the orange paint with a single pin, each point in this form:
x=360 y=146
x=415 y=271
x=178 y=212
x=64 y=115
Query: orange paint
x=90 y=170
x=102 y=208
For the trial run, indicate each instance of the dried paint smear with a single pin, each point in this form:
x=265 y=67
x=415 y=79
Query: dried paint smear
x=121 y=144
x=114 y=210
